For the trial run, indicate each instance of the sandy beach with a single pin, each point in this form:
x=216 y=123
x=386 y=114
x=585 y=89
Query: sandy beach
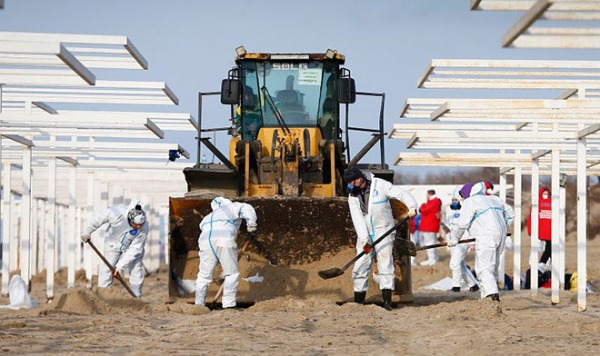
x=83 y=321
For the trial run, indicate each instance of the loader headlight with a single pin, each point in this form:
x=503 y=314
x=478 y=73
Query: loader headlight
x=240 y=51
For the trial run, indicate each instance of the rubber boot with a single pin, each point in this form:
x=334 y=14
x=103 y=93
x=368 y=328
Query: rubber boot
x=387 y=299
x=495 y=297
x=359 y=297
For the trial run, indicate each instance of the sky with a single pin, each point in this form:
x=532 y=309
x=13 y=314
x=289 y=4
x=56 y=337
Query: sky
x=190 y=45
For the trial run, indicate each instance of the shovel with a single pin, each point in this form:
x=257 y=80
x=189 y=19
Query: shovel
x=112 y=269
x=408 y=248
x=335 y=272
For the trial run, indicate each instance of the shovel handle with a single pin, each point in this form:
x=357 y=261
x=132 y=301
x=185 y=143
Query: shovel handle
x=396 y=227
x=112 y=269
x=443 y=244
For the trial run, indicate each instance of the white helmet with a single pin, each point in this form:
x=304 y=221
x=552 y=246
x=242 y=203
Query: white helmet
x=136 y=215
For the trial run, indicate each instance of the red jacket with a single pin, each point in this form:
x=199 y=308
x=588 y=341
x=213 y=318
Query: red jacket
x=430 y=215
x=545 y=217
x=412 y=225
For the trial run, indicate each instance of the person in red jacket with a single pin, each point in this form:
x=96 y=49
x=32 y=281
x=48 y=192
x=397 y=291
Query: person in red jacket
x=545 y=226
x=430 y=225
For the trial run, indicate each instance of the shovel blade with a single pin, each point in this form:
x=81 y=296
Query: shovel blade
x=331 y=273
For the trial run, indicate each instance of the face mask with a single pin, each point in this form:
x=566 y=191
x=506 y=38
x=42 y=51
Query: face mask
x=455 y=205
x=351 y=188
x=545 y=195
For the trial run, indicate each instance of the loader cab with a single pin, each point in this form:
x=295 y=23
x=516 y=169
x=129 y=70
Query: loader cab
x=295 y=90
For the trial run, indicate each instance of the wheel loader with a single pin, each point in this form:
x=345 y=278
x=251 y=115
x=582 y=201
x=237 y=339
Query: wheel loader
x=286 y=157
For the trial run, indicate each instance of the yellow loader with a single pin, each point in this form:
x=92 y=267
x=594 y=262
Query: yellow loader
x=286 y=157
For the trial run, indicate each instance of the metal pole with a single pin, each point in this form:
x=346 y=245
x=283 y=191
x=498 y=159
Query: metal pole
x=535 y=230
x=347 y=136
x=581 y=223
x=517 y=229
x=555 y=224
x=199 y=129
x=87 y=250
x=51 y=228
x=562 y=236
x=26 y=218
x=70 y=235
x=6 y=227
x=381 y=123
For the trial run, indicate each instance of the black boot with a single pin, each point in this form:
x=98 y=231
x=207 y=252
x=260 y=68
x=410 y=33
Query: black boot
x=387 y=299
x=359 y=297
x=475 y=288
x=495 y=297
x=455 y=289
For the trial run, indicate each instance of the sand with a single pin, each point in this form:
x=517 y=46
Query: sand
x=84 y=321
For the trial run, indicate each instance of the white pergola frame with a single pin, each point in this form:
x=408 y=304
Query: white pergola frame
x=443 y=139
x=570 y=76
x=38 y=70
x=568 y=120
x=524 y=33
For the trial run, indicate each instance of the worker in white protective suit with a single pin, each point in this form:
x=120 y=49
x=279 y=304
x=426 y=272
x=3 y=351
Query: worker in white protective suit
x=487 y=218
x=217 y=244
x=371 y=212
x=124 y=242
x=458 y=253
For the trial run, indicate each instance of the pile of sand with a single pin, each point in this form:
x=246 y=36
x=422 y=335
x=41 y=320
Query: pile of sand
x=461 y=310
x=291 y=303
x=83 y=301
x=181 y=308
x=369 y=310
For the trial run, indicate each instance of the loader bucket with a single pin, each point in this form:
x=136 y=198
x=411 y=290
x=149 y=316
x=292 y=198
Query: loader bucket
x=212 y=178
x=303 y=235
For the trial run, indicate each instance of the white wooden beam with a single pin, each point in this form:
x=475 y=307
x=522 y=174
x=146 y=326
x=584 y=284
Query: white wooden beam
x=532 y=15
x=6 y=226
x=582 y=218
x=19 y=139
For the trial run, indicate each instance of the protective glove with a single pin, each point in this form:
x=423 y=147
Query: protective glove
x=412 y=213
x=367 y=248
x=452 y=242
x=251 y=228
x=85 y=238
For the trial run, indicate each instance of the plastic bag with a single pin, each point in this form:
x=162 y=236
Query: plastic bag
x=255 y=279
x=17 y=291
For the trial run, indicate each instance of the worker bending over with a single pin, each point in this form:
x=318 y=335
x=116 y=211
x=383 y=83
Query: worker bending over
x=371 y=213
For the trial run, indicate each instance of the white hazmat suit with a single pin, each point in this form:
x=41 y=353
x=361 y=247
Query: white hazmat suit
x=460 y=271
x=369 y=226
x=123 y=245
x=487 y=218
x=217 y=244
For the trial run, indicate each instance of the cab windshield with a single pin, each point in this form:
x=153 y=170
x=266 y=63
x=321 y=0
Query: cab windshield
x=302 y=94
